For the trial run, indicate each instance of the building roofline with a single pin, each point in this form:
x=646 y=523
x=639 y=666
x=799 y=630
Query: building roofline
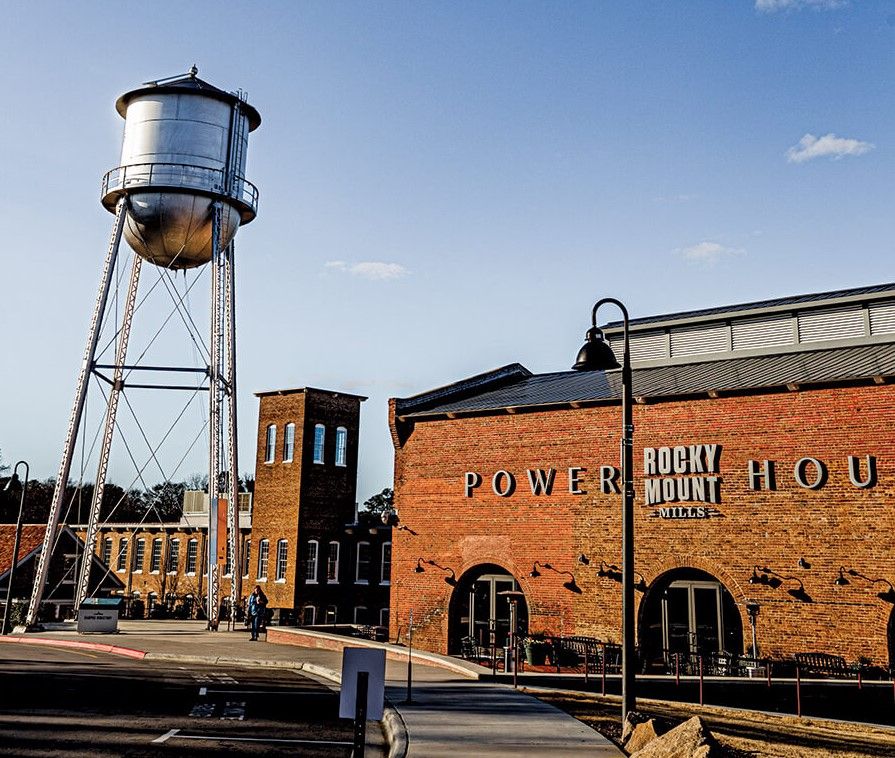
x=472 y=385
x=300 y=390
x=759 y=307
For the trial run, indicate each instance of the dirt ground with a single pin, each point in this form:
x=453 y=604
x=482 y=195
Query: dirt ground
x=742 y=734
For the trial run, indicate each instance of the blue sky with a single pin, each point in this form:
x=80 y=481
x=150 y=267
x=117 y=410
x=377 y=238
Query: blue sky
x=448 y=187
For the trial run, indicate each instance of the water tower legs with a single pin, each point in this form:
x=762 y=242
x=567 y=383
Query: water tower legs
x=71 y=437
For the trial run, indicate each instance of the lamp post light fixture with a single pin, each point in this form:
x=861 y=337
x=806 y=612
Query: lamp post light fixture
x=596 y=355
x=13 y=482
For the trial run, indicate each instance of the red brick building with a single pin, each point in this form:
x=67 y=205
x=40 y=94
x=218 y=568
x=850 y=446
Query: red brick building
x=764 y=471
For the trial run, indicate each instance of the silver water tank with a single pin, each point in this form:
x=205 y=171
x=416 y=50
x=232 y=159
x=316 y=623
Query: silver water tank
x=184 y=148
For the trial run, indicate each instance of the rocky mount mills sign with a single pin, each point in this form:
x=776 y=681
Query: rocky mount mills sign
x=673 y=478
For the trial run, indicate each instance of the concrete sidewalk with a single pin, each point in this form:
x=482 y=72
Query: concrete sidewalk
x=448 y=715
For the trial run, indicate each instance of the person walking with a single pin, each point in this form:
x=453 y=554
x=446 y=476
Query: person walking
x=257 y=610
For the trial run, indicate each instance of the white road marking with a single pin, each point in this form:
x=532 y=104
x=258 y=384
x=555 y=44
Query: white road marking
x=203 y=691
x=226 y=679
x=206 y=691
x=222 y=738
x=165 y=737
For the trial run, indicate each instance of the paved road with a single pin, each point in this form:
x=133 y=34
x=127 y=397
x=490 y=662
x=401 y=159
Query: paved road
x=70 y=702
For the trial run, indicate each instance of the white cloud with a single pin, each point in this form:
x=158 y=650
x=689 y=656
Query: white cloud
x=828 y=146
x=708 y=253
x=772 y=6
x=372 y=270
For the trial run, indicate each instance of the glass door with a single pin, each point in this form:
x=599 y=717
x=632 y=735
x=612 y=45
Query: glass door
x=489 y=618
x=691 y=617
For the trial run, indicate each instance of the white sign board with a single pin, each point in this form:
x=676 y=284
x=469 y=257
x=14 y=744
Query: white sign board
x=371 y=660
x=93 y=619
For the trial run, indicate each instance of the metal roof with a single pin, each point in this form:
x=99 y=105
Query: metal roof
x=759 y=305
x=734 y=374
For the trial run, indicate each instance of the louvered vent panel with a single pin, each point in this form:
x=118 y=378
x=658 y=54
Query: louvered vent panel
x=882 y=318
x=841 y=323
x=649 y=347
x=711 y=338
x=769 y=331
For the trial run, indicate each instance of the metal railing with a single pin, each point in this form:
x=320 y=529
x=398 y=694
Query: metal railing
x=180 y=176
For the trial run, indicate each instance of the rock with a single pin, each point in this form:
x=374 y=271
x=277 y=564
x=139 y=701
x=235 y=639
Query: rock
x=641 y=736
x=688 y=740
x=632 y=720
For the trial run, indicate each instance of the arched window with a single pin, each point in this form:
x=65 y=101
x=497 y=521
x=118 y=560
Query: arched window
x=319 y=439
x=263 y=551
x=282 y=558
x=362 y=568
x=122 y=554
x=270 y=447
x=107 y=551
x=332 y=563
x=311 y=562
x=192 y=551
x=173 y=556
x=341 y=446
x=155 y=560
x=139 y=553
x=288 y=443
x=385 y=574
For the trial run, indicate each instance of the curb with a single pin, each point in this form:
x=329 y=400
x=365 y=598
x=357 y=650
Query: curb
x=395 y=731
x=102 y=647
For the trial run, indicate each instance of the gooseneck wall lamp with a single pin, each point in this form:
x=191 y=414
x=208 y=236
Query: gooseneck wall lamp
x=15 y=481
x=570 y=584
x=596 y=355
x=451 y=577
x=886 y=595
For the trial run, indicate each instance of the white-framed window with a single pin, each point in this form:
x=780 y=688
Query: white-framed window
x=385 y=573
x=288 y=443
x=332 y=614
x=360 y=614
x=155 y=560
x=332 y=563
x=173 y=556
x=341 y=446
x=383 y=616
x=192 y=551
x=246 y=556
x=263 y=552
x=151 y=600
x=319 y=439
x=107 y=551
x=282 y=558
x=311 y=562
x=308 y=615
x=270 y=446
x=139 y=555
x=122 y=555
x=362 y=568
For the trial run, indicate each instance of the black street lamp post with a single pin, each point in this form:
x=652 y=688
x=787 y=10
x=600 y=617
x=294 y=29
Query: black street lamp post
x=597 y=355
x=13 y=481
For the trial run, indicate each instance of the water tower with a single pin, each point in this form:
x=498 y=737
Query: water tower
x=178 y=196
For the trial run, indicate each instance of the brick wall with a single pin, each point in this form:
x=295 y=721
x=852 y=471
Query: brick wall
x=832 y=526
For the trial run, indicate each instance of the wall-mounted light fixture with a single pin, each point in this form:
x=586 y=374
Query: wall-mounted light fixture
x=770 y=578
x=803 y=564
x=886 y=595
x=451 y=577
x=569 y=584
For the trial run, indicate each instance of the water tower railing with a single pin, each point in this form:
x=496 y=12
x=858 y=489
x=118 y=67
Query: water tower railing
x=180 y=176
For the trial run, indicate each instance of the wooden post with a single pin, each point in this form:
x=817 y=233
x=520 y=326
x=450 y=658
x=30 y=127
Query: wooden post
x=798 y=691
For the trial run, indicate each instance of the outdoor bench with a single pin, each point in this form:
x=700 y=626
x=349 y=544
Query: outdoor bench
x=825 y=664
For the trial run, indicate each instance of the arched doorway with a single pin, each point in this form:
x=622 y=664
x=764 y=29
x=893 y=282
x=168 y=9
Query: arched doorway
x=479 y=607
x=688 y=611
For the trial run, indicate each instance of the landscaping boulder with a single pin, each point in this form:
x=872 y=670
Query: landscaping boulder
x=641 y=736
x=688 y=740
x=632 y=720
